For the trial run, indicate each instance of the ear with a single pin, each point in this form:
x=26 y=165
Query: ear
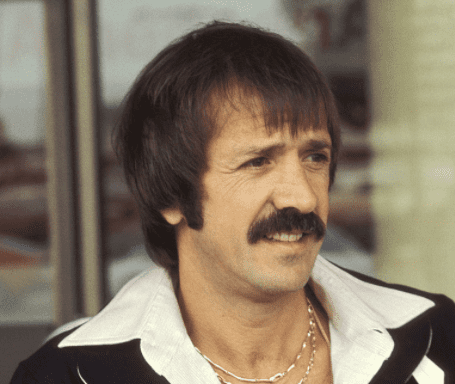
x=172 y=215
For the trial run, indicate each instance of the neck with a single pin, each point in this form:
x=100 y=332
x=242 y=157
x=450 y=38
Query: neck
x=250 y=337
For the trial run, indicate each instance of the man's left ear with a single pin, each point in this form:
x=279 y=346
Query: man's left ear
x=172 y=215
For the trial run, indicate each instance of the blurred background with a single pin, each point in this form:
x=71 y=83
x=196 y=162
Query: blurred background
x=69 y=232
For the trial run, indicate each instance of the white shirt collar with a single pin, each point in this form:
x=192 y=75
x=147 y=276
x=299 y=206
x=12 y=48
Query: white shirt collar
x=147 y=309
x=360 y=314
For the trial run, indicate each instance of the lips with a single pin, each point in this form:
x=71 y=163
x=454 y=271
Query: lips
x=284 y=236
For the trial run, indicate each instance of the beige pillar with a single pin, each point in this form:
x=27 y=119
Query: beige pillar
x=412 y=71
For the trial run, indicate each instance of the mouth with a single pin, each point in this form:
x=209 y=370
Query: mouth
x=286 y=236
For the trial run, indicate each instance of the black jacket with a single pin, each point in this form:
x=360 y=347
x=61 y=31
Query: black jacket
x=431 y=334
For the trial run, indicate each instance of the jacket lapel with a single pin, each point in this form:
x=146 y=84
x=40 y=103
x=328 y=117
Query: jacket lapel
x=412 y=341
x=115 y=364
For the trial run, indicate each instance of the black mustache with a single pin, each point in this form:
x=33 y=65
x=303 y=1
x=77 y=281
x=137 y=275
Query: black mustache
x=287 y=220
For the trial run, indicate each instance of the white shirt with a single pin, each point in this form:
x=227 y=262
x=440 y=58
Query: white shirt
x=359 y=314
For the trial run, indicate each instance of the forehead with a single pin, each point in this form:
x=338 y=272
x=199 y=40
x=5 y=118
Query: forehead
x=242 y=132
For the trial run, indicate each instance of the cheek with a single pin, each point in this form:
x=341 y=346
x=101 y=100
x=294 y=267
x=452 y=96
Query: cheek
x=236 y=197
x=237 y=188
x=321 y=189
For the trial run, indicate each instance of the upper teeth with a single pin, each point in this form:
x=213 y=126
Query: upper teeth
x=285 y=236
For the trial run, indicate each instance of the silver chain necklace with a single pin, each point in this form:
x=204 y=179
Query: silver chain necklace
x=310 y=335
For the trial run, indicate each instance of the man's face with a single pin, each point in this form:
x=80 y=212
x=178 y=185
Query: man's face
x=252 y=176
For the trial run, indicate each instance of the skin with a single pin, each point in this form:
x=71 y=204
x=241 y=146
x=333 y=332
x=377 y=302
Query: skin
x=244 y=304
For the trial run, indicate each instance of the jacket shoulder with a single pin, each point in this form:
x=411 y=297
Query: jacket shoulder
x=48 y=364
x=116 y=363
x=438 y=299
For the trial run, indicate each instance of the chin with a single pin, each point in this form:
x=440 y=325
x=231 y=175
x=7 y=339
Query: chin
x=282 y=281
x=281 y=270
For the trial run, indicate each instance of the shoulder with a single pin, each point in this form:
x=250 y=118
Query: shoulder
x=48 y=364
x=115 y=363
x=437 y=298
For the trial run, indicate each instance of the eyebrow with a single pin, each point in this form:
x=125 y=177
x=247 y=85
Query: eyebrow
x=314 y=145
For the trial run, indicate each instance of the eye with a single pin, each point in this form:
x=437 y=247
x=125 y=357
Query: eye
x=257 y=162
x=318 y=158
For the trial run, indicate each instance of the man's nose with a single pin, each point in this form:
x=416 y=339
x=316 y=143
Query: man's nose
x=294 y=189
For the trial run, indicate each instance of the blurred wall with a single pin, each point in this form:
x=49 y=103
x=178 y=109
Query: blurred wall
x=132 y=32
x=412 y=67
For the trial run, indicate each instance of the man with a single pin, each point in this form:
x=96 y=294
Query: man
x=229 y=140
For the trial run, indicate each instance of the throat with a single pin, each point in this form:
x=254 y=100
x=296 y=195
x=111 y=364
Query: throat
x=249 y=338
x=267 y=361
